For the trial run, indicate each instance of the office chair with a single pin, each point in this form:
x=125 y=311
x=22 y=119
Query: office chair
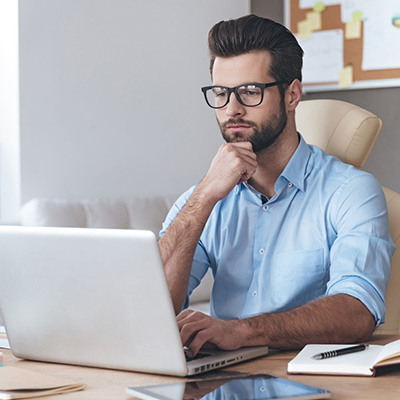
x=349 y=132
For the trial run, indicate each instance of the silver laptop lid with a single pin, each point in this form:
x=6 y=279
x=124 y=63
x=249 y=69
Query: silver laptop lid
x=95 y=297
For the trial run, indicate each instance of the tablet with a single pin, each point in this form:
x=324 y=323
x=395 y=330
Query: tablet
x=260 y=387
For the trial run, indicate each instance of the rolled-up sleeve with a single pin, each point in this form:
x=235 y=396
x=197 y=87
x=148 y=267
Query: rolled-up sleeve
x=361 y=255
x=201 y=262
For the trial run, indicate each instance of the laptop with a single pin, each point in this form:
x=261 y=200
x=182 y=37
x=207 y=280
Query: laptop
x=95 y=297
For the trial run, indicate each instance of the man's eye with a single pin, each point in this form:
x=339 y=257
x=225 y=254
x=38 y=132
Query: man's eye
x=251 y=93
x=220 y=94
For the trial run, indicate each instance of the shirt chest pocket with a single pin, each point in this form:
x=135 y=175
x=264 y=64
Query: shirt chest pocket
x=297 y=278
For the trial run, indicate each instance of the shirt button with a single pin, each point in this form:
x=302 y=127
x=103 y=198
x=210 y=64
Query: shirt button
x=290 y=184
x=262 y=389
x=261 y=251
x=254 y=294
x=265 y=207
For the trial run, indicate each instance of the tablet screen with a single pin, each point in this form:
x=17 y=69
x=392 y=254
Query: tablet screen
x=261 y=387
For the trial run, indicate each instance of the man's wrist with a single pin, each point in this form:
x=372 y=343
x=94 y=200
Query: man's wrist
x=254 y=330
x=244 y=332
x=206 y=196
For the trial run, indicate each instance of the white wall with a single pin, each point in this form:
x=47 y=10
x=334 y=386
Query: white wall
x=110 y=101
x=9 y=113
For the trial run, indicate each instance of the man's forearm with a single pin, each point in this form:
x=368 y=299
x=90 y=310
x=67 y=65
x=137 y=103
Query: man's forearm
x=333 y=319
x=234 y=163
x=178 y=244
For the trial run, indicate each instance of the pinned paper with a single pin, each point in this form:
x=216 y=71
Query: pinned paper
x=319 y=7
x=346 y=77
x=315 y=20
x=324 y=56
x=357 y=15
x=353 y=30
x=304 y=29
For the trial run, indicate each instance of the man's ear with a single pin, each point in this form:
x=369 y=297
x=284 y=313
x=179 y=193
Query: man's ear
x=293 y=95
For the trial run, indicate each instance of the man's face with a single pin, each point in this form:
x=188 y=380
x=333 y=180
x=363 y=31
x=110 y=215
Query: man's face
x=260 y=125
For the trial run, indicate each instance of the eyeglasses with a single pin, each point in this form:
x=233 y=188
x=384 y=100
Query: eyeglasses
x=248 y=94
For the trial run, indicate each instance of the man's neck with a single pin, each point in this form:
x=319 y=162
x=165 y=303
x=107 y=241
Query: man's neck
x=272 y=161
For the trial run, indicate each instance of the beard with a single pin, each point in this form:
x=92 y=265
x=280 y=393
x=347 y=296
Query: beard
x=264 y=135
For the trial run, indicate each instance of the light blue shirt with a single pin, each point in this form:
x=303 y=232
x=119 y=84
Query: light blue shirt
x=324 y=232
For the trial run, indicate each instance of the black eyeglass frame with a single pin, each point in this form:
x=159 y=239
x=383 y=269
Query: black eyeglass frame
x=231 y=90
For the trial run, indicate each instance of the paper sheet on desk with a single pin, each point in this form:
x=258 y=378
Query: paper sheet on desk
x=3 y=338
x=19 y=383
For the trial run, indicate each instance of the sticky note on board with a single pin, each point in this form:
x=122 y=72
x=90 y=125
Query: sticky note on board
x=304 y=29
x=319 y=7
x=353 y=30
x=314 y=20
x=357 y=15
x=346 y=77
x=396 y=21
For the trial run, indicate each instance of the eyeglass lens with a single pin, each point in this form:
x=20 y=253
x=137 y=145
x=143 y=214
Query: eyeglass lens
x=250 y=95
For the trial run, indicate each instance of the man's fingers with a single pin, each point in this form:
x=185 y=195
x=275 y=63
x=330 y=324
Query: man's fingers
x=242 y=165
x=233 y=162
x=247 y=160
x=193 y=327
x=235 y=149
x=197 y=329
x=189 y=322
x=202 y=337
x=184 y=314
x=189 y=331
x=187 y=315
x=243 y=161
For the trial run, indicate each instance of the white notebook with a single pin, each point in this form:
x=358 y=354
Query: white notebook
x=360 y=363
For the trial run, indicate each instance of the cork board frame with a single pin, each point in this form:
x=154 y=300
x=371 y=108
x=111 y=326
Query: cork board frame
x=352 y=50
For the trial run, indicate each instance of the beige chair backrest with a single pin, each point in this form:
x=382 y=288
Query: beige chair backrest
x=392 y=325
x=349 y=132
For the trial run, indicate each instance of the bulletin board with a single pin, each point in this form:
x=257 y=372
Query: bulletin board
x=348 y=44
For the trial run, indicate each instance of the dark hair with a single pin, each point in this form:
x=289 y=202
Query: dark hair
x=252 y=33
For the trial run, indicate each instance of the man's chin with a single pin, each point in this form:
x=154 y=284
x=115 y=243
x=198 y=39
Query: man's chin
x=239 y=140
x=235 y=138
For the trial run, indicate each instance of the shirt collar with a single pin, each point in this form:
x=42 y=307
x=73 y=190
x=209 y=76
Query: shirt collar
x=295 y=170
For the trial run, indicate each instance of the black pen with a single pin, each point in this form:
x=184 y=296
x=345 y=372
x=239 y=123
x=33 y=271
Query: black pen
x=340 y=352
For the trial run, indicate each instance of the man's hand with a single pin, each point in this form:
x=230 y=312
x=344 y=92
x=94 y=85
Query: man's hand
x=197 y=329
x=233 y=164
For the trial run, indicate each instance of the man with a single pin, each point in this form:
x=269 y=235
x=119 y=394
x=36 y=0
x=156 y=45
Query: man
x=297 y=241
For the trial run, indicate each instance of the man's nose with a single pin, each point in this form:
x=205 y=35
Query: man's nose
x=234 y=108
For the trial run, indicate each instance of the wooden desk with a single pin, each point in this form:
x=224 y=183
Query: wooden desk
x=108 y=384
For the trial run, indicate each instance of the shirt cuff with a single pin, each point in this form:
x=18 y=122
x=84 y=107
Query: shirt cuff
x=362 y=290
